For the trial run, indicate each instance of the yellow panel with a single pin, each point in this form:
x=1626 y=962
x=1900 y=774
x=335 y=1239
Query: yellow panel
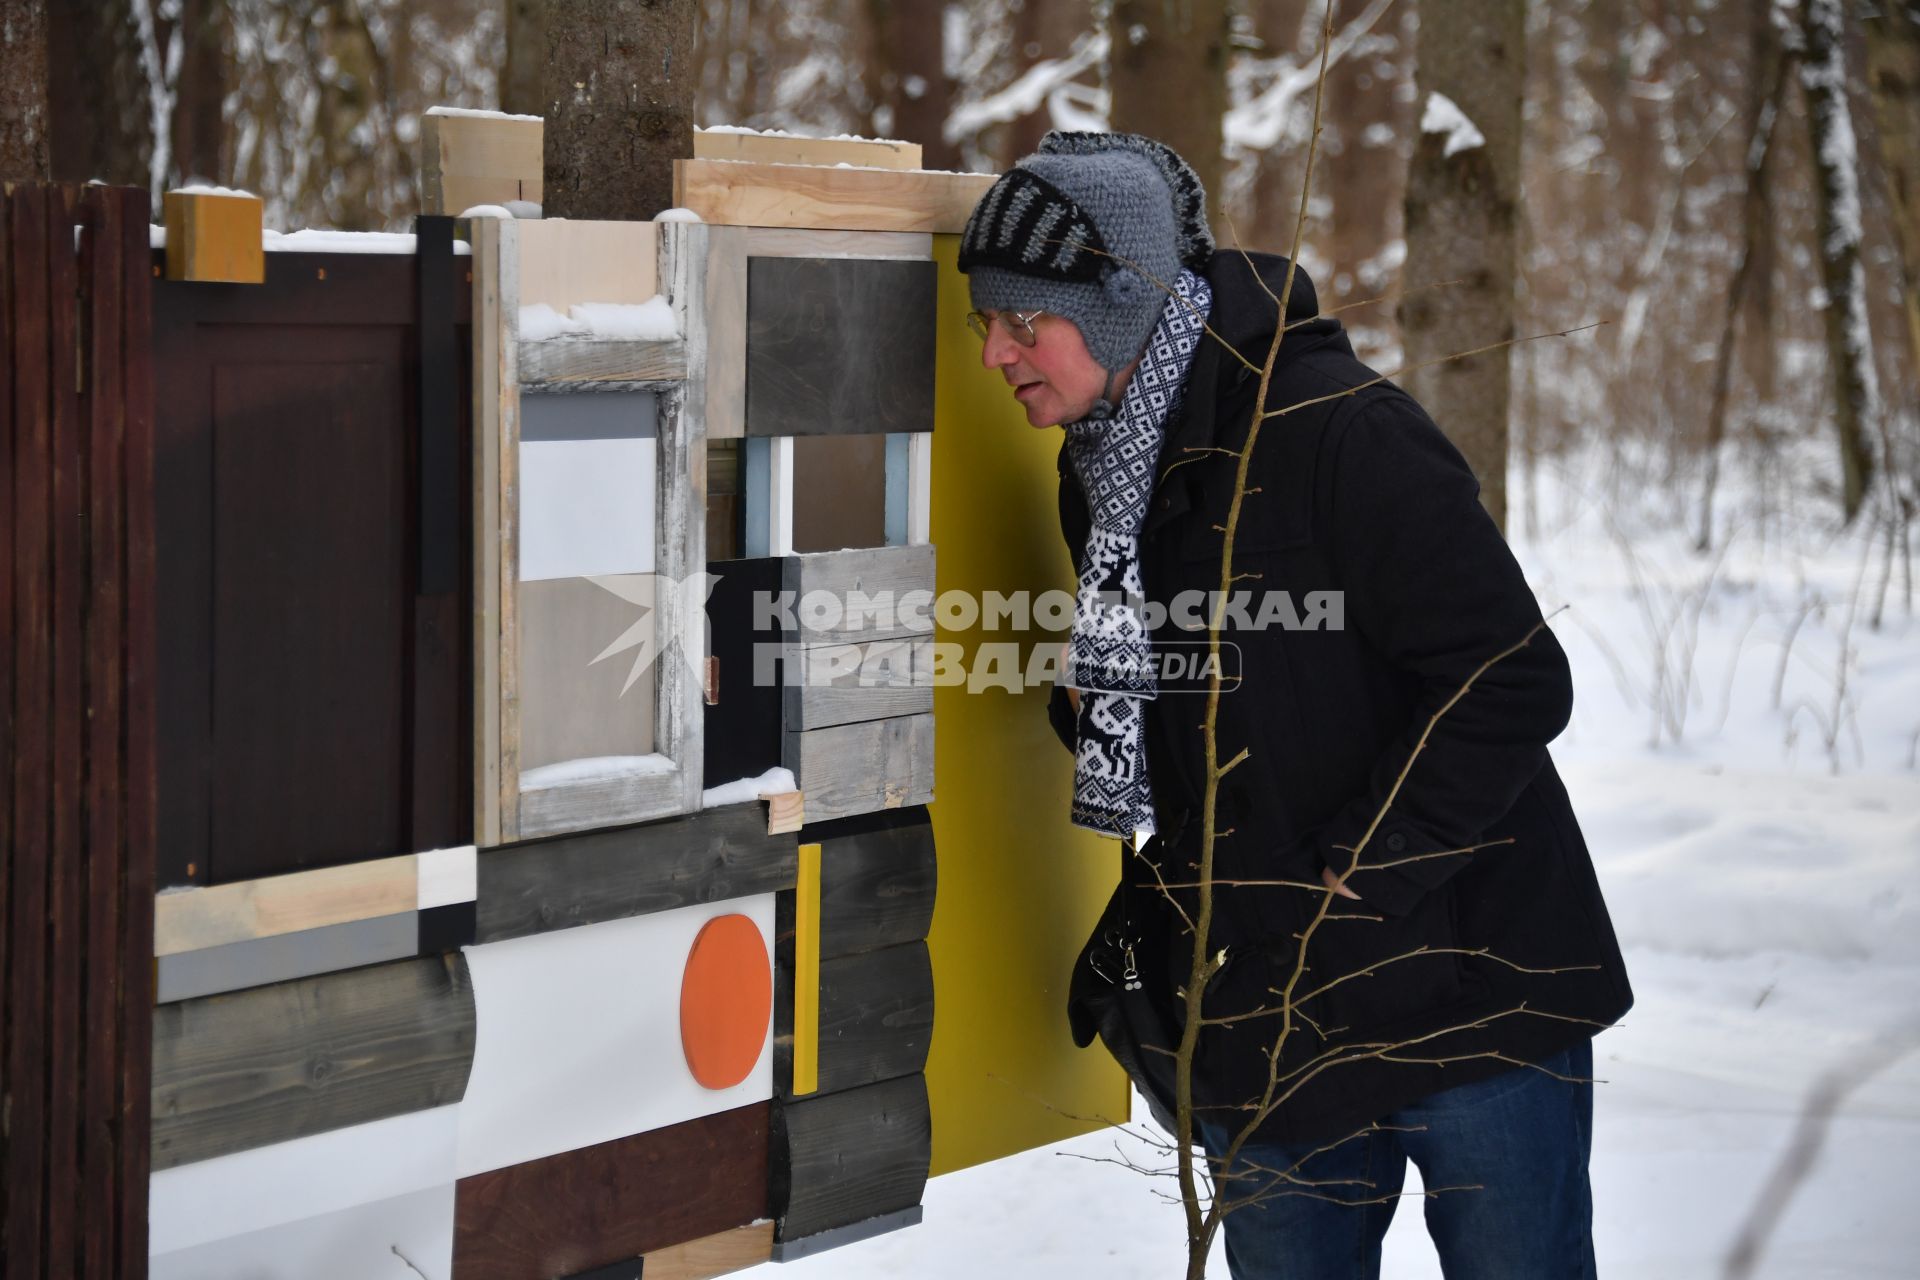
x=1019 y=886
x=806 y=972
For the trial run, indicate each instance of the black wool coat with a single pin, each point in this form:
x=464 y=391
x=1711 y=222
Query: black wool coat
x=1439 y=975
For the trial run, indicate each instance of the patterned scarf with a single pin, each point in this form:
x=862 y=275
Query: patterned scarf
x=1110 y=654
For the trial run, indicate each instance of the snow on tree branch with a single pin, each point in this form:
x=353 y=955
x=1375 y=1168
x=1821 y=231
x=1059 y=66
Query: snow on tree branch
x=1443 y=116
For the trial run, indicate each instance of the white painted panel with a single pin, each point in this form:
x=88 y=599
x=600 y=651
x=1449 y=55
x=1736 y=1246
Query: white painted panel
x=587 y=507
x=578 y=1037
x=447 y=876
x=402 y=1238
x=302 y=1178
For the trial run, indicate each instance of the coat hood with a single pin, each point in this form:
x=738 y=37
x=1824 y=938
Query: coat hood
x=1245 y=286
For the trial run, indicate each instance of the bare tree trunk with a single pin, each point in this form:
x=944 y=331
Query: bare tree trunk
x=1763 y=118
x=1363 y=167
x=1461 y=224
x=1168 y=75
x=522 y=79
x=1856 y=388
x=620 y=81
x=24 y=116
x=199 y=124
x=907 y=79
x=1040 y=31
x=1893 y=74
x=101 y=123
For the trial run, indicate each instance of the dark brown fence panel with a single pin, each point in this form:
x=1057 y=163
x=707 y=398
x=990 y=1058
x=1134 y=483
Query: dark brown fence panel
x=314 y=657
x=76 y=731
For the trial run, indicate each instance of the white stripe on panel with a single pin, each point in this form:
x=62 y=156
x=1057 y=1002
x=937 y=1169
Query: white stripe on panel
x=447 y=876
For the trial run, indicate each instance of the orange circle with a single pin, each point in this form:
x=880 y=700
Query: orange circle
x=726 y=997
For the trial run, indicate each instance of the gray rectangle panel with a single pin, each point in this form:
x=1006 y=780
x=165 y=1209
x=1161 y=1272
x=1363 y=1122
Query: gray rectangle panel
x=259 y=961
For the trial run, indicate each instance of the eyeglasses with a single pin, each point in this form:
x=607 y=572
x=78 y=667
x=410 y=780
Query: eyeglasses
x=1022 y=333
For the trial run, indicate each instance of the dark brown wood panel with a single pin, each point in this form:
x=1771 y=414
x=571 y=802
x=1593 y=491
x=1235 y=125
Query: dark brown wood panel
x=75 y=673
x=557 y=1217
x=845 y=1157
x=32 y=730
x=630 y=871
x=839 y=346
x=877 y=881
x=104 y=287
x=302 y=445
x=141 y=736
x=247 y=1068
x=310 y=610
x=66 y=884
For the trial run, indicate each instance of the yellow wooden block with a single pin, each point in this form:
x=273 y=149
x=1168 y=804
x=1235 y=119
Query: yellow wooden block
x=1020 y=886
x=806 y=972
x=782 y=148
x=214 y=236
x=472 y=158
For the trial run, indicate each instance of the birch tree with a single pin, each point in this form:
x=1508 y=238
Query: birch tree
x=1836 y=162
x=1463 y=187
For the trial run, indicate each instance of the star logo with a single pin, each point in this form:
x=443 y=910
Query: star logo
x=654 y=594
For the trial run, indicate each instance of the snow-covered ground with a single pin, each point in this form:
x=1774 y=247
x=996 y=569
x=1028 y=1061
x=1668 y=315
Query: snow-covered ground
x=1761 y=873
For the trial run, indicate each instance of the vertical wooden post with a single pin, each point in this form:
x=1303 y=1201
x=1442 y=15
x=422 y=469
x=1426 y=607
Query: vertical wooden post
x=620 y=79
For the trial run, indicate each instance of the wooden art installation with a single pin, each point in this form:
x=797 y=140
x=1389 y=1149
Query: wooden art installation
x=549 y=887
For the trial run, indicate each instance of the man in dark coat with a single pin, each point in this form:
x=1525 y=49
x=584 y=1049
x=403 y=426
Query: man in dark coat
x=1445 y=1007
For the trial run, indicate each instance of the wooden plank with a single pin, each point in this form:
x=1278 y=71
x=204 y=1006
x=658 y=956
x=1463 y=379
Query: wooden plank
x=875 y=1017
x=802 y=242
x=583 y=361
x=262 y=908
x=8 y=326
x=738 y=193
x=609 y=800
x=813 y=326
x=259 y=962
x=564 y=262
x=877 y=882
x=469 y=160
x=139 y=868
x=33 y=739
x=244 y=1069
x=215 y=238
x=488 y=375
x=860 y=768
x=726 y=326
x=920 y=488
x=560 y=1215
x=786 y=812
x=842 y=1158
x=610 y=875
x=681 y=516
x=836 y=1237
x=869 y=594
x=714 y=1255
x=66 y=879
x=847 y=683
x=804 y=1071
x=786 y=148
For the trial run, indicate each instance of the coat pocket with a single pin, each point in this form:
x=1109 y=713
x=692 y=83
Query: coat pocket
x=1369 y=973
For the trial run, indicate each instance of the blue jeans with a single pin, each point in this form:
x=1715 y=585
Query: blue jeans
x=1516 y=1146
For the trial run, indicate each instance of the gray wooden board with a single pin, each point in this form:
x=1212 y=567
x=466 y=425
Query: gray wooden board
x=839 y=345
x=845 y=683
x=609 y=875
x=876 y=1017
x=843 y=1158
x=258 y=962
x=609 y=415
x=862 y=768
x=865 y=594
x=876 y=889
x=241 y=1070
x=585 y=361
x=821 y=1241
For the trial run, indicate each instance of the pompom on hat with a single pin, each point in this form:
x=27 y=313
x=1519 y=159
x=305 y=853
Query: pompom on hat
x=1093 y=227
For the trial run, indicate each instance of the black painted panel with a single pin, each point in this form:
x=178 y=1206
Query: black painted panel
x=839 y=345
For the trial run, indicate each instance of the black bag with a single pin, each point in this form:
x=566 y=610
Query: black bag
x=1120 y=992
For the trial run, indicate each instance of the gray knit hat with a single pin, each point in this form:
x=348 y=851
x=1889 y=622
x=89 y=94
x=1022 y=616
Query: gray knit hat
x=1090 y=227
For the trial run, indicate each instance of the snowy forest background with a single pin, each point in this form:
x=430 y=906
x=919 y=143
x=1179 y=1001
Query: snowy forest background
x=1745 y=749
